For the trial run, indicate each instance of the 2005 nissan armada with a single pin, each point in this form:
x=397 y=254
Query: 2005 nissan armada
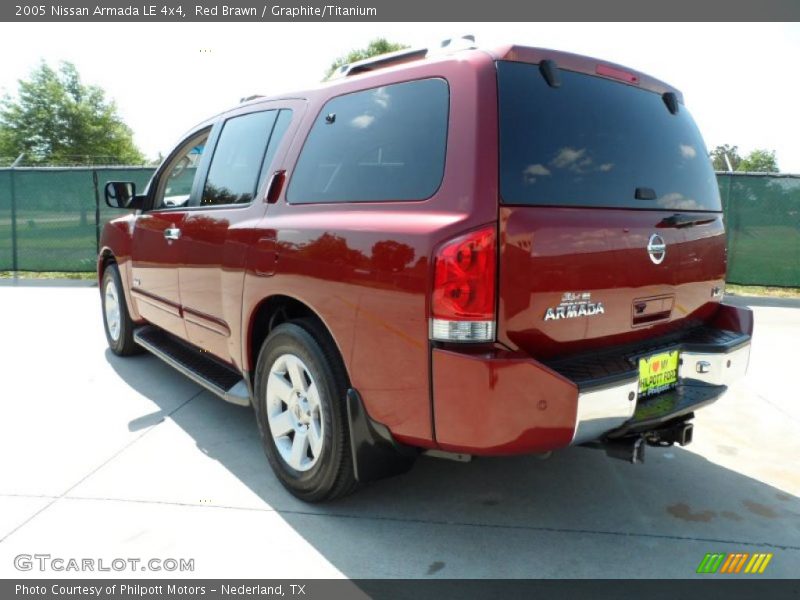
x=464 y=252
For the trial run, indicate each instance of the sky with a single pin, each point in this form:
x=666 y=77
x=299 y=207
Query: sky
x=739 y=80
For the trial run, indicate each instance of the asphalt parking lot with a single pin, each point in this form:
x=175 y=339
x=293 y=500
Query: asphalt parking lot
x=103 y=457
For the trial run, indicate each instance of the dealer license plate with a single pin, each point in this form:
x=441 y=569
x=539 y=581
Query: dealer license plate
x=658 y=373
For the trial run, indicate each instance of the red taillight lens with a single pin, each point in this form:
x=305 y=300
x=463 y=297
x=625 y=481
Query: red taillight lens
x=463 y=299
x=609 y=71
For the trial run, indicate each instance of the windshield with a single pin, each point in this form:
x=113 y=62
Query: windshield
x=594 y=142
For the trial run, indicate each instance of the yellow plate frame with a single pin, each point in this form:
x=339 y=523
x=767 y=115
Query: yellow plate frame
x=658 y=372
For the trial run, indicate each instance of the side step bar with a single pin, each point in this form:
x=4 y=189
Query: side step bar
x=203 y=370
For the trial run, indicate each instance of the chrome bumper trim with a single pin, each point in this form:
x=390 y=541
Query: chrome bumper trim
x=602 y=410
x=714 y=368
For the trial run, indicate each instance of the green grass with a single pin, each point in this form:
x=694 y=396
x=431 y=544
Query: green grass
x=762 y=290
x=44 y=245
x=82 y=275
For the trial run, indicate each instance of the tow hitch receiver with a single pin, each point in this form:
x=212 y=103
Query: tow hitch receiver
x=679 y=433
x=630 y=448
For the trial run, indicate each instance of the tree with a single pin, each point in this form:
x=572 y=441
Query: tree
x=718 y=154
x=374 y=48
x=55 y=118
x=759 y=161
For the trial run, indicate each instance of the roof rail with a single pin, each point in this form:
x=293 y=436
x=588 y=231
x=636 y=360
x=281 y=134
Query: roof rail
x=248 y=98
x=403 y=56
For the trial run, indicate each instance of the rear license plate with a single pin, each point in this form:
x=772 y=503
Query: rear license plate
x=658 y=373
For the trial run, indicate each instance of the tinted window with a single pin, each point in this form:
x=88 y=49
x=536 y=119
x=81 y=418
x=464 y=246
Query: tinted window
x=176 y=182
x=593 y=142
x=236 y=164
x=386 y=143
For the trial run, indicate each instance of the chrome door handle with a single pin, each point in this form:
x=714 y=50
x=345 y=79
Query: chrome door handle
x=172 y=233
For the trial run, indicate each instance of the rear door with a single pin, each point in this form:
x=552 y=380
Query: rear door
x=610 y=219
x=219 y=228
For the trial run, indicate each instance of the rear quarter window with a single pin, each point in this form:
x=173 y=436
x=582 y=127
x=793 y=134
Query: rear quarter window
x=381 y=144
x=592 y=142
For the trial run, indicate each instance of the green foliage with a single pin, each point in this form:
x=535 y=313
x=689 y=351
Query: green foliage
x=56 y=119
x=717 y=156
x=374 y=48
x=759 y=161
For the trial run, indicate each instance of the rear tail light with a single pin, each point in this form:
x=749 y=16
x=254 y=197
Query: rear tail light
x=463 y=299
x=613 y=72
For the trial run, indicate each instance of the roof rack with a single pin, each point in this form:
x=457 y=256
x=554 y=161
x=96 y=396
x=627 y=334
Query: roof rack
x=403 y=56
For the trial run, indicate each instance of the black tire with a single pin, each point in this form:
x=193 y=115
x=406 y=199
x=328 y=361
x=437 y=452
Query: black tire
x=331 y=476
x=123 y=345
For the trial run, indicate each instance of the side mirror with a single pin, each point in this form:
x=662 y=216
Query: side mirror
x=120 y=194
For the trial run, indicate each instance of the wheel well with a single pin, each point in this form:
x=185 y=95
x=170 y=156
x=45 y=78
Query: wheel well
x=272 y=312
x=106 y=259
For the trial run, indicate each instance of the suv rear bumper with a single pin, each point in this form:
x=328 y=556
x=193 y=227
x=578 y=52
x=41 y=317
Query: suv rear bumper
x=503 y=402
x=617 y=409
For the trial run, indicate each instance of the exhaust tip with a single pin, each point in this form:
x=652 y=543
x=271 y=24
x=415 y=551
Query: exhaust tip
x=628 y=449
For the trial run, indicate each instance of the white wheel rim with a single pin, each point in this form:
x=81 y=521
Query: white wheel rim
x=294 y=413
x=112 y=309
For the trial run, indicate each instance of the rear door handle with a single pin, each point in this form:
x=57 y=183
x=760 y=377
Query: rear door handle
x=172 y=233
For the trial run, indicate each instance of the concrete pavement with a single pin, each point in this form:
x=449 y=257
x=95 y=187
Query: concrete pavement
x=102 y=457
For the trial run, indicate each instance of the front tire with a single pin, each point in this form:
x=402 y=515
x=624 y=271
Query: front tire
x=116 y=320
x=300 y=388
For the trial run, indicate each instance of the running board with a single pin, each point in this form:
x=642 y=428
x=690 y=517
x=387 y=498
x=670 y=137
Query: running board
x=217 y=378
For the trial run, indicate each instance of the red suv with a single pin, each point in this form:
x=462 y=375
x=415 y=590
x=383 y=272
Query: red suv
x=455 y=253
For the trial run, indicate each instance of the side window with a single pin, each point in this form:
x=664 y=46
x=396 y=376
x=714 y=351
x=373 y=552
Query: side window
x=383 y=144
x=233 y=176
x=175 y=185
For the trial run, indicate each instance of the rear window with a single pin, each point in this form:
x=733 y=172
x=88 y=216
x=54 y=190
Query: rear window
x=381 y=144
x=592 y=142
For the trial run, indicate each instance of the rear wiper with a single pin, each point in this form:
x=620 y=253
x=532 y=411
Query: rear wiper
x=680 y=220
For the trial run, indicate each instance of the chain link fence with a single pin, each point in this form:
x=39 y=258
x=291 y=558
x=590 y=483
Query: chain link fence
x=50 y=220
x=762 y=219
x=50 y=217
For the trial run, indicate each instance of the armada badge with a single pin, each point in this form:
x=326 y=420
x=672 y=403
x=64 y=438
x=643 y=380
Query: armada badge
x=575 y=304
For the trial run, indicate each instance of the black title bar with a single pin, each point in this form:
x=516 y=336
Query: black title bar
x=710 y=587
x=397 y=10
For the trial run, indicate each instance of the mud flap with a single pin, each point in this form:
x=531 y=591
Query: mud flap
x=376 y=454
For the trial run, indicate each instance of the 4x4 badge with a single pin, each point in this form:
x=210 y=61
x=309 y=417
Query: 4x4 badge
x=575 y=304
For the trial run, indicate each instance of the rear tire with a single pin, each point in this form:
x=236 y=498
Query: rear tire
x=116 y=320
x=300 y=391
